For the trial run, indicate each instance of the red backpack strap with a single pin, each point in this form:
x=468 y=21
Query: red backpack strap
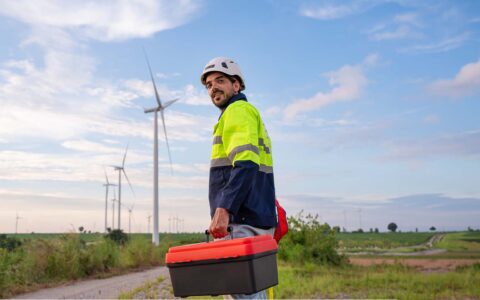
x=282 y=224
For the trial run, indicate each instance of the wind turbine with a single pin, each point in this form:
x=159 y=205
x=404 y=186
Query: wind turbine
x=107 y=185
x=159 y=108
x=360 y=217
x=148 y=228
x=121 y=169
x=16 y=223
x=113 y=210
x=130 y=218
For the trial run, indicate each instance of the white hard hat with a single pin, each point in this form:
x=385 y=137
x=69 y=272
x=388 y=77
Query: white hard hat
x=226 y=66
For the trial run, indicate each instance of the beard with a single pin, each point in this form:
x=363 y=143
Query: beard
x=220 y=98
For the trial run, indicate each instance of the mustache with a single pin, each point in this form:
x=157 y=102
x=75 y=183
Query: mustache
x=216 y=92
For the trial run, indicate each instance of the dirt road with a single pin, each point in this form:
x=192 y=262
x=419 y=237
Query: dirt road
x=108 y=288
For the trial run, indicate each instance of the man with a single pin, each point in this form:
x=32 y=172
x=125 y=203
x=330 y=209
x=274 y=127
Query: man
x=241 y=187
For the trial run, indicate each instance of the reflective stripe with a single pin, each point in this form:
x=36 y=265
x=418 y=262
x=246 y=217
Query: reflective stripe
x=220 y=162
x=262 y=143
x=265 y=169
x=225 y=162
x=242 y=148
x=217 y=140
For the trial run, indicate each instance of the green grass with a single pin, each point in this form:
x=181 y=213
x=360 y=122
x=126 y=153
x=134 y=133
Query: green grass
x=382 y=281
x=49 y=259
x=461 y=241
x=359 y=241
x=87 y=237
x=39 y=262
x=92 y=237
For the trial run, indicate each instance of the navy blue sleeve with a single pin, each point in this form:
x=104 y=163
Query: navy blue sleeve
x=239 y=185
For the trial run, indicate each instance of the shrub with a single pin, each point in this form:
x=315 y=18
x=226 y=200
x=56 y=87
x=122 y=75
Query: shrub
x=118 y=236
x=102 y=256
x=309 y=241
x=137 y=252
x=9 y=243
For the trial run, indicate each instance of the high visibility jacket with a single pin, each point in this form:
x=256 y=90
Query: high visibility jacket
x=241 y=169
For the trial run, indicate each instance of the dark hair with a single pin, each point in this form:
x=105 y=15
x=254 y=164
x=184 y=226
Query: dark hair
x=234 y=78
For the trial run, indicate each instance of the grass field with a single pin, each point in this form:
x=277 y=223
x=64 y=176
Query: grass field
x=51 y=262
x=381 y=281
x=461 y=241
x=373 y=282
x=91 y=237
x=389 y=240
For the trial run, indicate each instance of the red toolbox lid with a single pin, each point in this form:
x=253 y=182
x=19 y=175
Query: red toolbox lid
x=221 y=249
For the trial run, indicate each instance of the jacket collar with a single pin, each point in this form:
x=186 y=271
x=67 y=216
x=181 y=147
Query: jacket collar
x=239 y=96
x=234 y=98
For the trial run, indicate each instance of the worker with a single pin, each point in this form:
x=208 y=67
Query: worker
x=241 y=185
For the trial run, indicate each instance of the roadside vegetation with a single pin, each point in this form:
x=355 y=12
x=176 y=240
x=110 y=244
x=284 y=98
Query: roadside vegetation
x=33 y=263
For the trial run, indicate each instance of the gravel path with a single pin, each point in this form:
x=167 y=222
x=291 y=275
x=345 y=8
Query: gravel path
x=108 y=288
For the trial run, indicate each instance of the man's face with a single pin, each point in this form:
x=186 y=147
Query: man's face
x=220 y=88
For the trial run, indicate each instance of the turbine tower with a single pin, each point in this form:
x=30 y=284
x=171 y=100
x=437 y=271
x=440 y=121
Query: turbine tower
x=113 y=209
x=16 y=223
x=121 y=169
x=107 y=185
x=130 y=219
x=148 y=228
x=159 y=108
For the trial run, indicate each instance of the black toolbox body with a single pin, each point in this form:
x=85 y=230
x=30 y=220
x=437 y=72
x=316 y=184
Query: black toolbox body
x=239 y=266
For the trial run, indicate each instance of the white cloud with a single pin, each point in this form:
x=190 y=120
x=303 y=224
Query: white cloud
x=57 y=104
x=401 y=27
x=347 y=85
x=465 y=82
x=188 y=95
x=329 y=11
x=89 y=164
x=411 y=18
x=444 y=45
x=89 y=146
x=105 y=20
x=399 y=33
x=194 y=96
x=464 y=144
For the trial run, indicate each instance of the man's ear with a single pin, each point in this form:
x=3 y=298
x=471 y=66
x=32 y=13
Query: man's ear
x=236 y=86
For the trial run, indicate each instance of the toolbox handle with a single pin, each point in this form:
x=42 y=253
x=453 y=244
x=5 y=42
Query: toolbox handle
x=207 y=233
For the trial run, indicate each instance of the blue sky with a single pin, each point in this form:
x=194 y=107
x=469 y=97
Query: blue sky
x=371 y=106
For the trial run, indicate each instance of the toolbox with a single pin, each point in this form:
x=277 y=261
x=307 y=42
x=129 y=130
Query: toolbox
x=238 y=266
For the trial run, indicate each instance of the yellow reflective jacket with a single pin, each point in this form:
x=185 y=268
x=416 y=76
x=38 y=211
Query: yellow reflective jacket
x=241 y=169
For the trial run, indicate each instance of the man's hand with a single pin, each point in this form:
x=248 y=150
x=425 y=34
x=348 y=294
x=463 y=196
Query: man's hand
x=219 y=224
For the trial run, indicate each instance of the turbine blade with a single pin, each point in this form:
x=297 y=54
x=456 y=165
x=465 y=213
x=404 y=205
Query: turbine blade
x=106 y=177
x=124 y=156
x=157 y=97
x=168 y=103
x=166 y=140
x=131 y=188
